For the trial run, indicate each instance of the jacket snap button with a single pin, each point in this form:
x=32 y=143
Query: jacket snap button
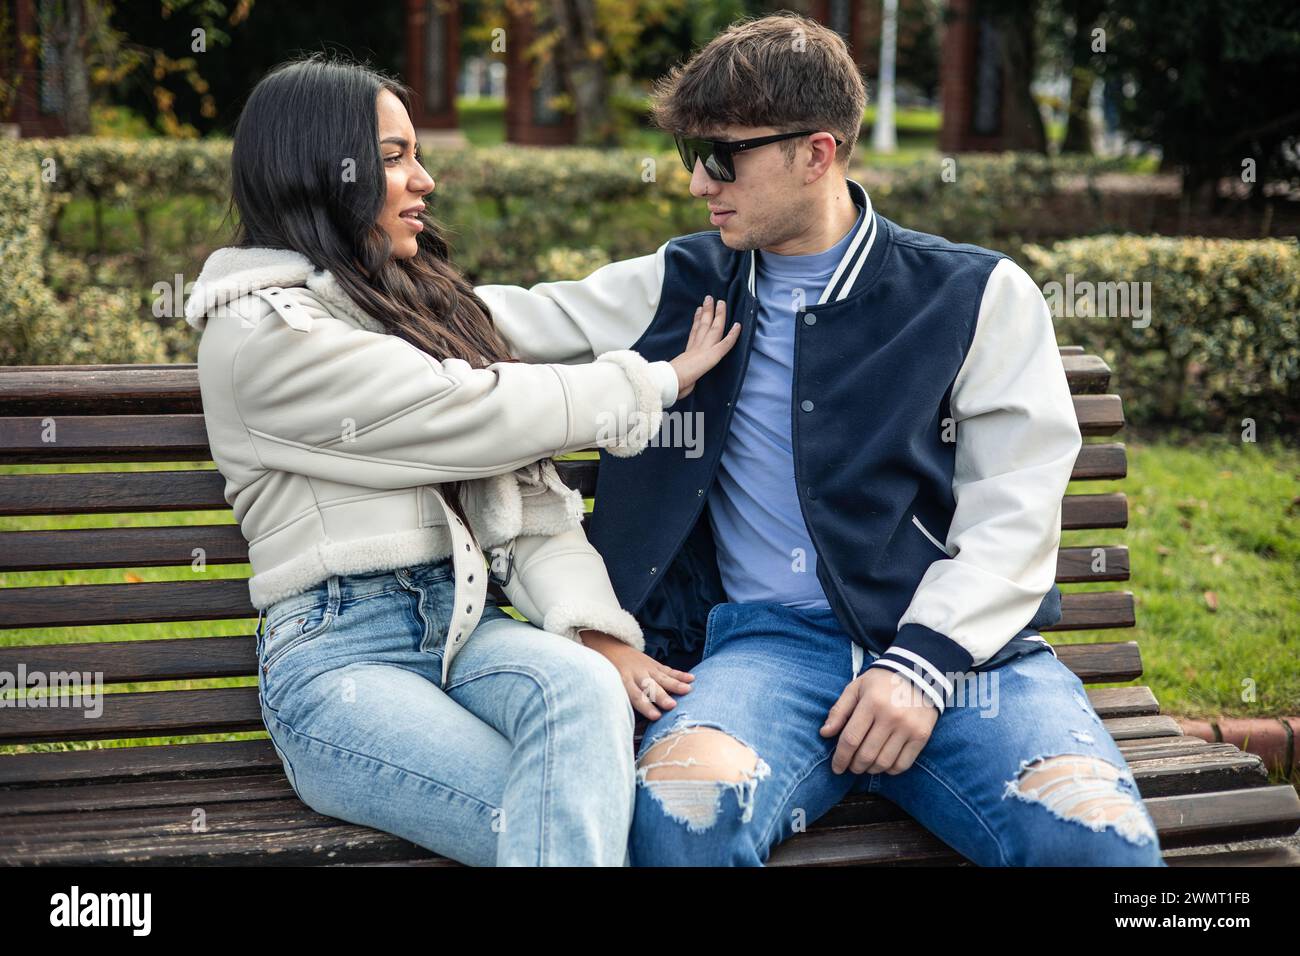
x=699 y=493
x=469 y=609
x=653 y=570
x=806 y=405
x=810 y=319
x=470 y=579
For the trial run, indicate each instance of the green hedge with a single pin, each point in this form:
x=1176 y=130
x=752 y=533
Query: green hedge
x=91 y=325
x=999 y=200
x=1220 y=341
x=81 y=252
x=90 y=225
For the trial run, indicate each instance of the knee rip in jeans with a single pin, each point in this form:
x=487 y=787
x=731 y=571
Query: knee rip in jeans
x=711 y=763
x=1085 y=789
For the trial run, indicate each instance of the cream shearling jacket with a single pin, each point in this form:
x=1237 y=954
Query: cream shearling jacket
x=333 y=437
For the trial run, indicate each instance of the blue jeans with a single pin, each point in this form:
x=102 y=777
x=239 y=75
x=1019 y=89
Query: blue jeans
x=768 y=677
x=524 y=758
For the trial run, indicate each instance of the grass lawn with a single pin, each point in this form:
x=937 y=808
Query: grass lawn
x=1214 y=547
x=1206 y=516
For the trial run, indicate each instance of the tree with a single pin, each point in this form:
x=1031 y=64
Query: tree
x=1214 y=86
x=1016 y=22
x=96 y=54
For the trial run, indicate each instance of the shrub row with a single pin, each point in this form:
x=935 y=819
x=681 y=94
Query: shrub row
x=1200 y=332
x=1221 y=340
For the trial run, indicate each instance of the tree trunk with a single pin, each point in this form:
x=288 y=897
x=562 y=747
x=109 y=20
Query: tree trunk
x=76 y=75
x=1024 y=125
x=1078 y=129
x=585 y=68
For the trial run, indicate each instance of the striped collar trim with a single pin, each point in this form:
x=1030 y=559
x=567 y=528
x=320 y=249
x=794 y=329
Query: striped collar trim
x=855 y=257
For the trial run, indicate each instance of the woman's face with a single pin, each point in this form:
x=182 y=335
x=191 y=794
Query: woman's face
x=407 y=181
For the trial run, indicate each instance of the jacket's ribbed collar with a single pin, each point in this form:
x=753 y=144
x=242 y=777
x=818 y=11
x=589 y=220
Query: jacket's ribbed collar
x=233 y=271
x=863 y=249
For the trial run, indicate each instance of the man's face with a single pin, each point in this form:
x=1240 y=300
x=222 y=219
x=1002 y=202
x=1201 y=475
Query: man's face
x=764 y=206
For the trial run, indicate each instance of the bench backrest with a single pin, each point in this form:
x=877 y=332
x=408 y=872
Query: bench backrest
x=114 y=415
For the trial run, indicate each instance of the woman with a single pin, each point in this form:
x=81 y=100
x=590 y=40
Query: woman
x=376 y=437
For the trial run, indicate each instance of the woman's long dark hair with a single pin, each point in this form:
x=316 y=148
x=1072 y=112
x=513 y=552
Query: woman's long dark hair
x=307 y=175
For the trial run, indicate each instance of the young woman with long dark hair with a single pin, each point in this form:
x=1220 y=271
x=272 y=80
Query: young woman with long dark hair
x=377 y=438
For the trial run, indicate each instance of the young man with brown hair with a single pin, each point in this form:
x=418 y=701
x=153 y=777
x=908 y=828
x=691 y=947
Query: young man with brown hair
x=884 y=456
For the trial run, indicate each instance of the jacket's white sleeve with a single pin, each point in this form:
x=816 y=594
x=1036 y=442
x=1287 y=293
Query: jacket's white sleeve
x=560 y=583
x=576 y=320
x=1017 y=441
x=341 y=403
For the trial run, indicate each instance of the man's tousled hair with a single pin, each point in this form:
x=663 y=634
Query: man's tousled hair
x=785 y=71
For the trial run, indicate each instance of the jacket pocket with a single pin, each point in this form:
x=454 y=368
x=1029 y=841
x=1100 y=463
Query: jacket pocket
x=933 y=540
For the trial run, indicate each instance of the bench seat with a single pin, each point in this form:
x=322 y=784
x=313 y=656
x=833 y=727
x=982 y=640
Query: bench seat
x=132 y=802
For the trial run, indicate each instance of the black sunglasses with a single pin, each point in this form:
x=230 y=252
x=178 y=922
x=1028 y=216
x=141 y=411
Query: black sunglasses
x=717 y=154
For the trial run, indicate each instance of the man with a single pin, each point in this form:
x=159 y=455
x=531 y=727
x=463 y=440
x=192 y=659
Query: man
x=884 y=454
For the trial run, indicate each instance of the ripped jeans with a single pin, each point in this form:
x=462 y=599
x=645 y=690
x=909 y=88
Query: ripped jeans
x=995 y=781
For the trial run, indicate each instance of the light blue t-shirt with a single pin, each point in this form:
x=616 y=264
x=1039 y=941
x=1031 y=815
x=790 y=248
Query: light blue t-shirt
x=764 y=552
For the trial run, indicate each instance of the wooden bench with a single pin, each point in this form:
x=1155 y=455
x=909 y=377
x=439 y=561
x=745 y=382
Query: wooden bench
x=135 y=804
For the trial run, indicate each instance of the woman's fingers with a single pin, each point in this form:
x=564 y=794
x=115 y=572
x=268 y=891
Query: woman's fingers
x=703 y=320
x=710 y=318
x=672 y=684
x=720 y=347
x=719 y=318
x=648 y=694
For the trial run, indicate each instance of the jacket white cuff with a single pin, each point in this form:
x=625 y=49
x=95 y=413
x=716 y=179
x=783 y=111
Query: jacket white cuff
x=928 y=659
x=567 y=619
x=669 y=383
x=648 y=387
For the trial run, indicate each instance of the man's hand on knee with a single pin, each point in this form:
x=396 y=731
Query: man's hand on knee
x=882 y=726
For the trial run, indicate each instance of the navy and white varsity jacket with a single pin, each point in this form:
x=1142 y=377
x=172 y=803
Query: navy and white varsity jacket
x=932 y=428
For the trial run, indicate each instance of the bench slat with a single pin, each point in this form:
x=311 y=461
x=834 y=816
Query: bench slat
x=1131 y=728
x=28 y=811
x=203 y=490
x=1087 y=374
x=1082 y=512
x=171 y=389
x=1180 y=820
x=200 y=658
x=31 y=811
x=219 y=758
x=122 y=492
x=174 y=546
x=1239 y=855
x=122 y=764
x=286 y=831
x=81 y=605
x=184 y=437
x=170 y=713
x=104 y=438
